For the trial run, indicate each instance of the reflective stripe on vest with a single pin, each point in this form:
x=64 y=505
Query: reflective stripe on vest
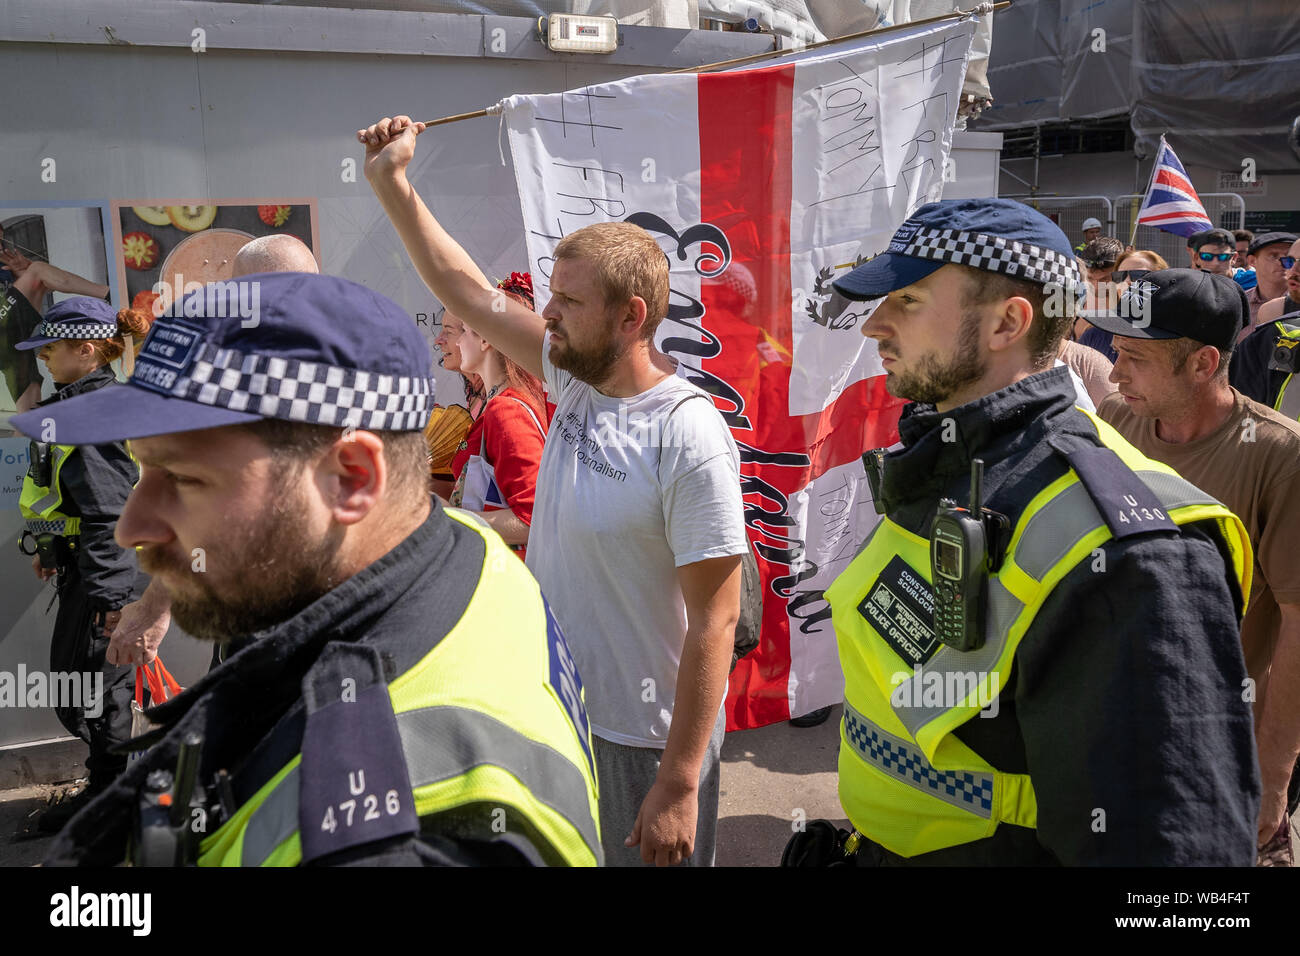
x=68 y=527
x=1065 y=524
x=906 y=781
x=440 y=744
x=1288 y=399
x=480 y=726
x=39 y=504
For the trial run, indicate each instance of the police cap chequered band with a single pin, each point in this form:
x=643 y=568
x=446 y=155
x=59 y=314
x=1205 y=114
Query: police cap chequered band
x=77 y=330
x=1020 y=260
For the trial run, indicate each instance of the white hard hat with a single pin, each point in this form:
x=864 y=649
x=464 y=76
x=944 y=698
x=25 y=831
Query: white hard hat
x=1091 y=224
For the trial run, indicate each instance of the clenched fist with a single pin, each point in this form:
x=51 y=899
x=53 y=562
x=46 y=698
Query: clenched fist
x=390 y=145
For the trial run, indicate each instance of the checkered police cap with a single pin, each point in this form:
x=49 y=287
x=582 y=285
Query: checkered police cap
x=77 y=330
x=79 y=317
x=1020 y=260
x=997 y=235
x=293 y=346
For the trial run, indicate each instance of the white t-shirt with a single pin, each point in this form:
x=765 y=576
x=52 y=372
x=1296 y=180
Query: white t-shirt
x=630 y=489
x=1080 y=390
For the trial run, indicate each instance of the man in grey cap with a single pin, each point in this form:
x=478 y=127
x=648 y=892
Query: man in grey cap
x=1267 y=255
x=1175 y=405
x=284 y=503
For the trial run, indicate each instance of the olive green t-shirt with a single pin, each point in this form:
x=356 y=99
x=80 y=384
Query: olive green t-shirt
x=1251 y=463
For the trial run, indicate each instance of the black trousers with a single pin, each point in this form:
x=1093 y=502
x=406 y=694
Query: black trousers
x=78 y=646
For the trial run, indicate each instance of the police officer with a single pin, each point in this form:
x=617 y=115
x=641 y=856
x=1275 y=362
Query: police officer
x=397 y=691
x=71 y=498
x=1265 y=363
x=1061 y=684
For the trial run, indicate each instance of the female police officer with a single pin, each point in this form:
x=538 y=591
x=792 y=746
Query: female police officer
x=71 y=499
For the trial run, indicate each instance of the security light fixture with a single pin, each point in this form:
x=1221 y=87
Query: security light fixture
x=566 y=33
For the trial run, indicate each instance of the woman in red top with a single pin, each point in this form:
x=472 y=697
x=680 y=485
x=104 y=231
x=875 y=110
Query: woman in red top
x=504 y=445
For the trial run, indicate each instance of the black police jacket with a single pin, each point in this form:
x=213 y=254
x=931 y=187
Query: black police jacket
x=251 y=713
x=1248 y=370
x=96 y=482
x=1124 y=703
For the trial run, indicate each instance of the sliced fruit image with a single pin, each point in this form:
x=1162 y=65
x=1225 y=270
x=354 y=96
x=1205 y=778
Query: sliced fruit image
x=140 y=250
x=153 y=215
x=191 y=218
x=274 y=215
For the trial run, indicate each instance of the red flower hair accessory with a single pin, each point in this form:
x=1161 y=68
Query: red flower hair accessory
x=520 y=283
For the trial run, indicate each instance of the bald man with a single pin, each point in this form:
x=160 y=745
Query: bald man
x=278 y=253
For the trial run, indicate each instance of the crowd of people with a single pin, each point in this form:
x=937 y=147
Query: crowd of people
x=529 y=665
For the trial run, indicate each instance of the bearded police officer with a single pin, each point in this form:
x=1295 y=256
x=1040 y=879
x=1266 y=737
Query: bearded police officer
x=1049 y=673
x=396 y=690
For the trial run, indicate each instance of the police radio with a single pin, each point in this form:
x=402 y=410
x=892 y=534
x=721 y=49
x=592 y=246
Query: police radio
x=966 y=545
x=1285 y=357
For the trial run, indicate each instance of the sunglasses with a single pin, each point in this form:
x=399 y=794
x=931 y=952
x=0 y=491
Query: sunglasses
x=1211 y=256
x=1124 y=274
x=1099 y=263
x=1287 y=261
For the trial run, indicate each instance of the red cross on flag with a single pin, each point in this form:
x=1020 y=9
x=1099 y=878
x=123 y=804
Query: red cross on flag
x=763 y=184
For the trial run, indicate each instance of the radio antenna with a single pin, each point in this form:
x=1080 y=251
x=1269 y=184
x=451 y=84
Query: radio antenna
x=976 y=487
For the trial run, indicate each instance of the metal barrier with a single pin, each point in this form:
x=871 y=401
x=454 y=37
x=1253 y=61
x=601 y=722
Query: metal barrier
x=1069 y=212
x=1226 y=211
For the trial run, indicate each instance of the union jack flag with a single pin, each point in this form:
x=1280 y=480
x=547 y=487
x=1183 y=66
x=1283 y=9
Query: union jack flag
x=1171 y=203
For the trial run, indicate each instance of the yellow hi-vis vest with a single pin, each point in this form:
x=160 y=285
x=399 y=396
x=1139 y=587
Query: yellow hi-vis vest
x=39 y=503
x=486 y=722
x=1288 y=396
x=905 y=780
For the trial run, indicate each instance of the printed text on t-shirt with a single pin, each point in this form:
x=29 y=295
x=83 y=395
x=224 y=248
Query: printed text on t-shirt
x=573 y=432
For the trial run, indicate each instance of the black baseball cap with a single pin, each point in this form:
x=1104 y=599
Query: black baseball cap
x=1179 y=303
x=1268 y=239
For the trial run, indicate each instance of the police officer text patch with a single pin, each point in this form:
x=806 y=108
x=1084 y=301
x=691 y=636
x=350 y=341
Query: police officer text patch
x=165 y=355
x=900 y=607
x=354 y=787
x=1126 y=504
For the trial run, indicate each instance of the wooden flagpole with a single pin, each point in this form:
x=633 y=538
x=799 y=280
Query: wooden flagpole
x=1136 y=212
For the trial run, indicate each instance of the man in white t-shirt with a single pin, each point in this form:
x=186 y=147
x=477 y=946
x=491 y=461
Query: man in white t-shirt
x=637 y=529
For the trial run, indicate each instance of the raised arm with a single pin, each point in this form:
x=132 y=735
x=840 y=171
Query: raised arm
x=444 y=266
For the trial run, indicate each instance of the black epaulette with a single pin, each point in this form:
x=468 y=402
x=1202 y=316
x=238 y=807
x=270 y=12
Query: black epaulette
x=354 y=787
x=1122 y=498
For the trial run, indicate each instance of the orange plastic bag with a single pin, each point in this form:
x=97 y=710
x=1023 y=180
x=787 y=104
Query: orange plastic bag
x=162 y=687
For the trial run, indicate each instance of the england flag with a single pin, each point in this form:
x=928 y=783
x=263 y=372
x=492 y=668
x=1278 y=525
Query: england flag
x=763 y=184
